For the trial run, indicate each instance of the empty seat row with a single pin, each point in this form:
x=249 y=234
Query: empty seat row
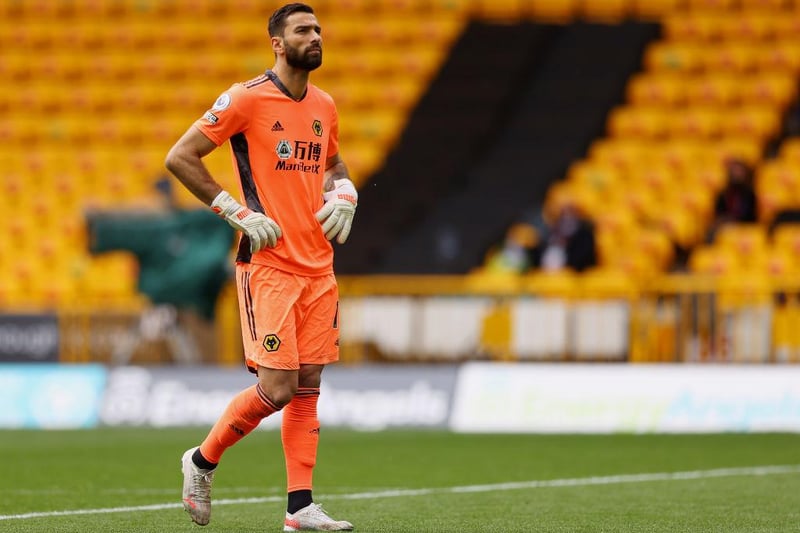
x=676 y=89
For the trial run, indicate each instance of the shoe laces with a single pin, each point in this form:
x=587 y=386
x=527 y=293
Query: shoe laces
x=201 y=485
x=317 y=509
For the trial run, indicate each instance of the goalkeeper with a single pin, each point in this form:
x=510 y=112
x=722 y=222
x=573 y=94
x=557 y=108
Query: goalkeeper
x=295 y=196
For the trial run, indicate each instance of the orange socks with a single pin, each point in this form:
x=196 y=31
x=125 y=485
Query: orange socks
x=242 y=415
x=300 y=436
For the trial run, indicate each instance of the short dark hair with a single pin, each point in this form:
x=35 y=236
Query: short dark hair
x=277 y=22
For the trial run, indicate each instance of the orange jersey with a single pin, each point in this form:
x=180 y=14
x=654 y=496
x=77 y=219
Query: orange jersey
x=279 y=146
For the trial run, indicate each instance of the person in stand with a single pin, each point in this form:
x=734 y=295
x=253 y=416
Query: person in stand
x=736 y=202
x=296 y=195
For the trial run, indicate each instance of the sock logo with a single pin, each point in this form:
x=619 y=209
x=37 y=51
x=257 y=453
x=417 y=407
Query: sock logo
x=236 y=430
x=314 y=431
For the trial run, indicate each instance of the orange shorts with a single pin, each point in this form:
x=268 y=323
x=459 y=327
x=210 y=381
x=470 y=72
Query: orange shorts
x=287 y=319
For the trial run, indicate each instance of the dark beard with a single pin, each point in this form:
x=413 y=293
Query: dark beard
x=303 y=61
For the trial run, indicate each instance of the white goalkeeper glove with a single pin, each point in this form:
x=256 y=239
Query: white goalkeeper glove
x=259 y=228
x=336 y=216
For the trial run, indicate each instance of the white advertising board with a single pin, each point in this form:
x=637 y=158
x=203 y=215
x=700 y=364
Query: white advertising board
x=586 y=398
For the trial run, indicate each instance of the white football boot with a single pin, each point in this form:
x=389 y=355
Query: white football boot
x=313 y=518
x=196 y=489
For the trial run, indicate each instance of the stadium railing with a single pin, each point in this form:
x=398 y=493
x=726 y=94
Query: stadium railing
x=601 y=317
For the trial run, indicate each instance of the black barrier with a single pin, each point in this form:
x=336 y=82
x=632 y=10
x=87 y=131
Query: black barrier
x=29 y=338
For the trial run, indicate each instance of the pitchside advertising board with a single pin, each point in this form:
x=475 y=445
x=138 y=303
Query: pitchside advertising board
x=606 y=398
x=474 y=397
x=363 y=397
x=51 y=396
x=28 y=338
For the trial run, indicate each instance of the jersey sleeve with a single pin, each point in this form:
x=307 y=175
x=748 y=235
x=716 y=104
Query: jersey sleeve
x=333 y=138
x=229 y=115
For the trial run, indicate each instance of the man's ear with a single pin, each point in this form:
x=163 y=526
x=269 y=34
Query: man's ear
x=277 y=44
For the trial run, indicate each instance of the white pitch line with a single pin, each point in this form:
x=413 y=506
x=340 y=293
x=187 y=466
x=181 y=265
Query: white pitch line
x=769 y=470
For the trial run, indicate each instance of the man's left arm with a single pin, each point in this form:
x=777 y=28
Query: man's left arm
x=341 y=199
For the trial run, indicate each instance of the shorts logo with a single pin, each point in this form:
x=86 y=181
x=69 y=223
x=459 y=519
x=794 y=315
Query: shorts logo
x=316 y=127
x=284 y=149
x=211 y=117
x=222 y=102
x=271 y=342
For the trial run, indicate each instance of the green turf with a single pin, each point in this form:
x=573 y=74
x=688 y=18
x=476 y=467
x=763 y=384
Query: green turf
x=102 y=469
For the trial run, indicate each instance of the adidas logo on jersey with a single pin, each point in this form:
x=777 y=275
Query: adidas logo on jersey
x=277 y=126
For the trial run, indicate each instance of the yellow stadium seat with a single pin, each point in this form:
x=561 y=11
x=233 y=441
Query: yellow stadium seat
x=93 y=99
x=172 y=65
x=622 y=152
x=747 y=26
x=654 y=9
x=685 y=154
x=354 y=94
x=392 y=31
x=642 y=122
x=643 y=202
x=139 y=34
x=677 y=221
x=746 y=240
x=782 y=263
x=708 y=175
x=34 y=36
x=786 y=24
x=778 y=173
x=711 y=5
x=32 y=10
x=713 y=90
x=40 y=98
x=596 y=176
x=786 y=237
x=238 y=33
x=62 y=65
x=702 y=122
x=780 y=56
x=605 y=10
x=712 y=260
x=22 y=130
x=679 y=57
x=789 y=150
x=758 y=122
x=148 y=97
x=655 y=244
x=16 y=66
x=771 y=201
x=363 y=159
x=762 y=6
x=120 y=129
x=681 y=26
x=653 y=89
x=732 y=57
x=772 y=89
x=498 y=10
x=558 y=11
x=698 y=199
x=607 y=283
x=658 y=176
x=746 y=147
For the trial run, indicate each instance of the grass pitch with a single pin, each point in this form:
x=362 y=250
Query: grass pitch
x=114 y=480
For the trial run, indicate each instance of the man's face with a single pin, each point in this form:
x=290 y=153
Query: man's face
x=302 y=41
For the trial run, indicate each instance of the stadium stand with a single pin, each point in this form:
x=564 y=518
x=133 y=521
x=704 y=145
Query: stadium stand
x=453 y=134
x=89 y=109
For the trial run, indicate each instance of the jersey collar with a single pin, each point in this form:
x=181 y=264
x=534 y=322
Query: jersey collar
x=279 y=84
